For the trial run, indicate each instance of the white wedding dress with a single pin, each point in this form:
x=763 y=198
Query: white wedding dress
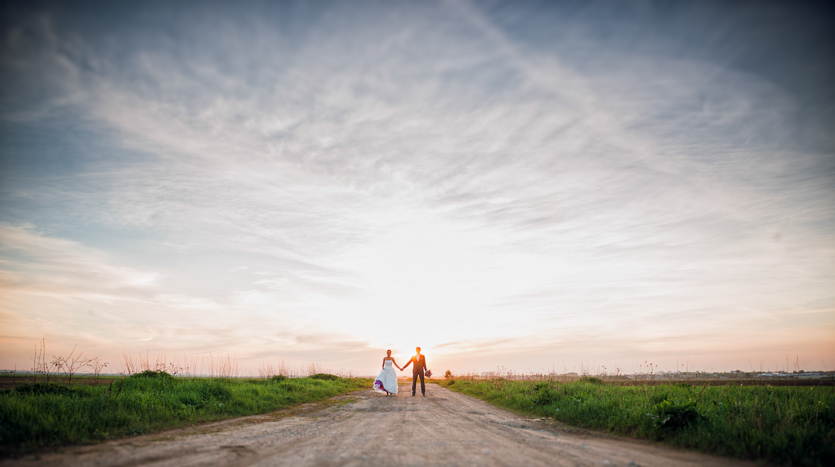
x=386 y=382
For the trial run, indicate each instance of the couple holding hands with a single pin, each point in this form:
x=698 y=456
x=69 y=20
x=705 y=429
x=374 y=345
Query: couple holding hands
x=387 y=380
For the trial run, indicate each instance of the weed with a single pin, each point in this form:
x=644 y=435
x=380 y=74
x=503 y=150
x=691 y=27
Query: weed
x=97 y=366
x=69 y=364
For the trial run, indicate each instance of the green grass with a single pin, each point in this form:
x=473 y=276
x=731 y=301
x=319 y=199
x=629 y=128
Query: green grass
x=784 y=425
x=34 y=417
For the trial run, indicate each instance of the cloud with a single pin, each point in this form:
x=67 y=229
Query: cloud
x=339 y=172
x=36 y=264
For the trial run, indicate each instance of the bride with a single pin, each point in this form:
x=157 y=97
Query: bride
x=386 y=381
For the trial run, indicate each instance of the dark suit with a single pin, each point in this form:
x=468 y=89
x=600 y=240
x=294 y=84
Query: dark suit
x=418 y=369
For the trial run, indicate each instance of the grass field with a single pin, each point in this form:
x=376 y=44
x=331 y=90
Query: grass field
x=783 y=425
x=33 y=417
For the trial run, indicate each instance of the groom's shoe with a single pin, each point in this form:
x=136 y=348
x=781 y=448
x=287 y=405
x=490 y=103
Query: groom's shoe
x=424 y=395
x=413 y=395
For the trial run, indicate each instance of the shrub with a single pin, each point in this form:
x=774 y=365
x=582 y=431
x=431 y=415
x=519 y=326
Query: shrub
x=215 y=390
x=44 y=388
x=324 y=377
x=278 y=378
x=191 y=400
x=543 y=395
x=591 y=380
x=674 y=415
x=153 y=374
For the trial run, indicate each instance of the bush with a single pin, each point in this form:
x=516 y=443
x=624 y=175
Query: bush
x=278 y=378
x=674 y=415
x=44 y=388
x=215 y=390
x=591 y=380
x=324 y=377
x=543 y=395
x=191 y=400
x=153 y=374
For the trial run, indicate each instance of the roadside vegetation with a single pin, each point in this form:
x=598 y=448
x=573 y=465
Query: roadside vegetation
x=46 y=414
x=784 y=425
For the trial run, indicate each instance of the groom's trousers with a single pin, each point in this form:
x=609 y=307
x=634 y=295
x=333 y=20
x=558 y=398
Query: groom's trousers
x=414 y=383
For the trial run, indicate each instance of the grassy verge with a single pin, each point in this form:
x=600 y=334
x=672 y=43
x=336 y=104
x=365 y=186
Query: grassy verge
x=33 y=417
x=785 y=425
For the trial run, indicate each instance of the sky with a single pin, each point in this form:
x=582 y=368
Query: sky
x=513 y=186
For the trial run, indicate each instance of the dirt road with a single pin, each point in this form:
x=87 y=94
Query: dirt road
x=365 y=428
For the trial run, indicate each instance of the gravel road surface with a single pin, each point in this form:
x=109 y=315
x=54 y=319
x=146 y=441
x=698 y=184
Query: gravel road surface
x=364 y=428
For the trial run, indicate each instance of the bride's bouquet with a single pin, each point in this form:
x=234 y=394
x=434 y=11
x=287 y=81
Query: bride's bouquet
x=428 y=373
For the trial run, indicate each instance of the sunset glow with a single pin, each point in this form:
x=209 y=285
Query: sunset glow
x=530 y=186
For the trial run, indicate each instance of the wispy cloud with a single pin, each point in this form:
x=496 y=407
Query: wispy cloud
x=346 y=171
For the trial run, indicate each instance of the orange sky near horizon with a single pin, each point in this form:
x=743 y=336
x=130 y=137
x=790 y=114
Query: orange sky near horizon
x=529 y=186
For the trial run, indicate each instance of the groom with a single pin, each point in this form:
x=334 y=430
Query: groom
x=417 y=370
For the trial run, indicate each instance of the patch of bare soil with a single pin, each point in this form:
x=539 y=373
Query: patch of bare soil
x=364 y=428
